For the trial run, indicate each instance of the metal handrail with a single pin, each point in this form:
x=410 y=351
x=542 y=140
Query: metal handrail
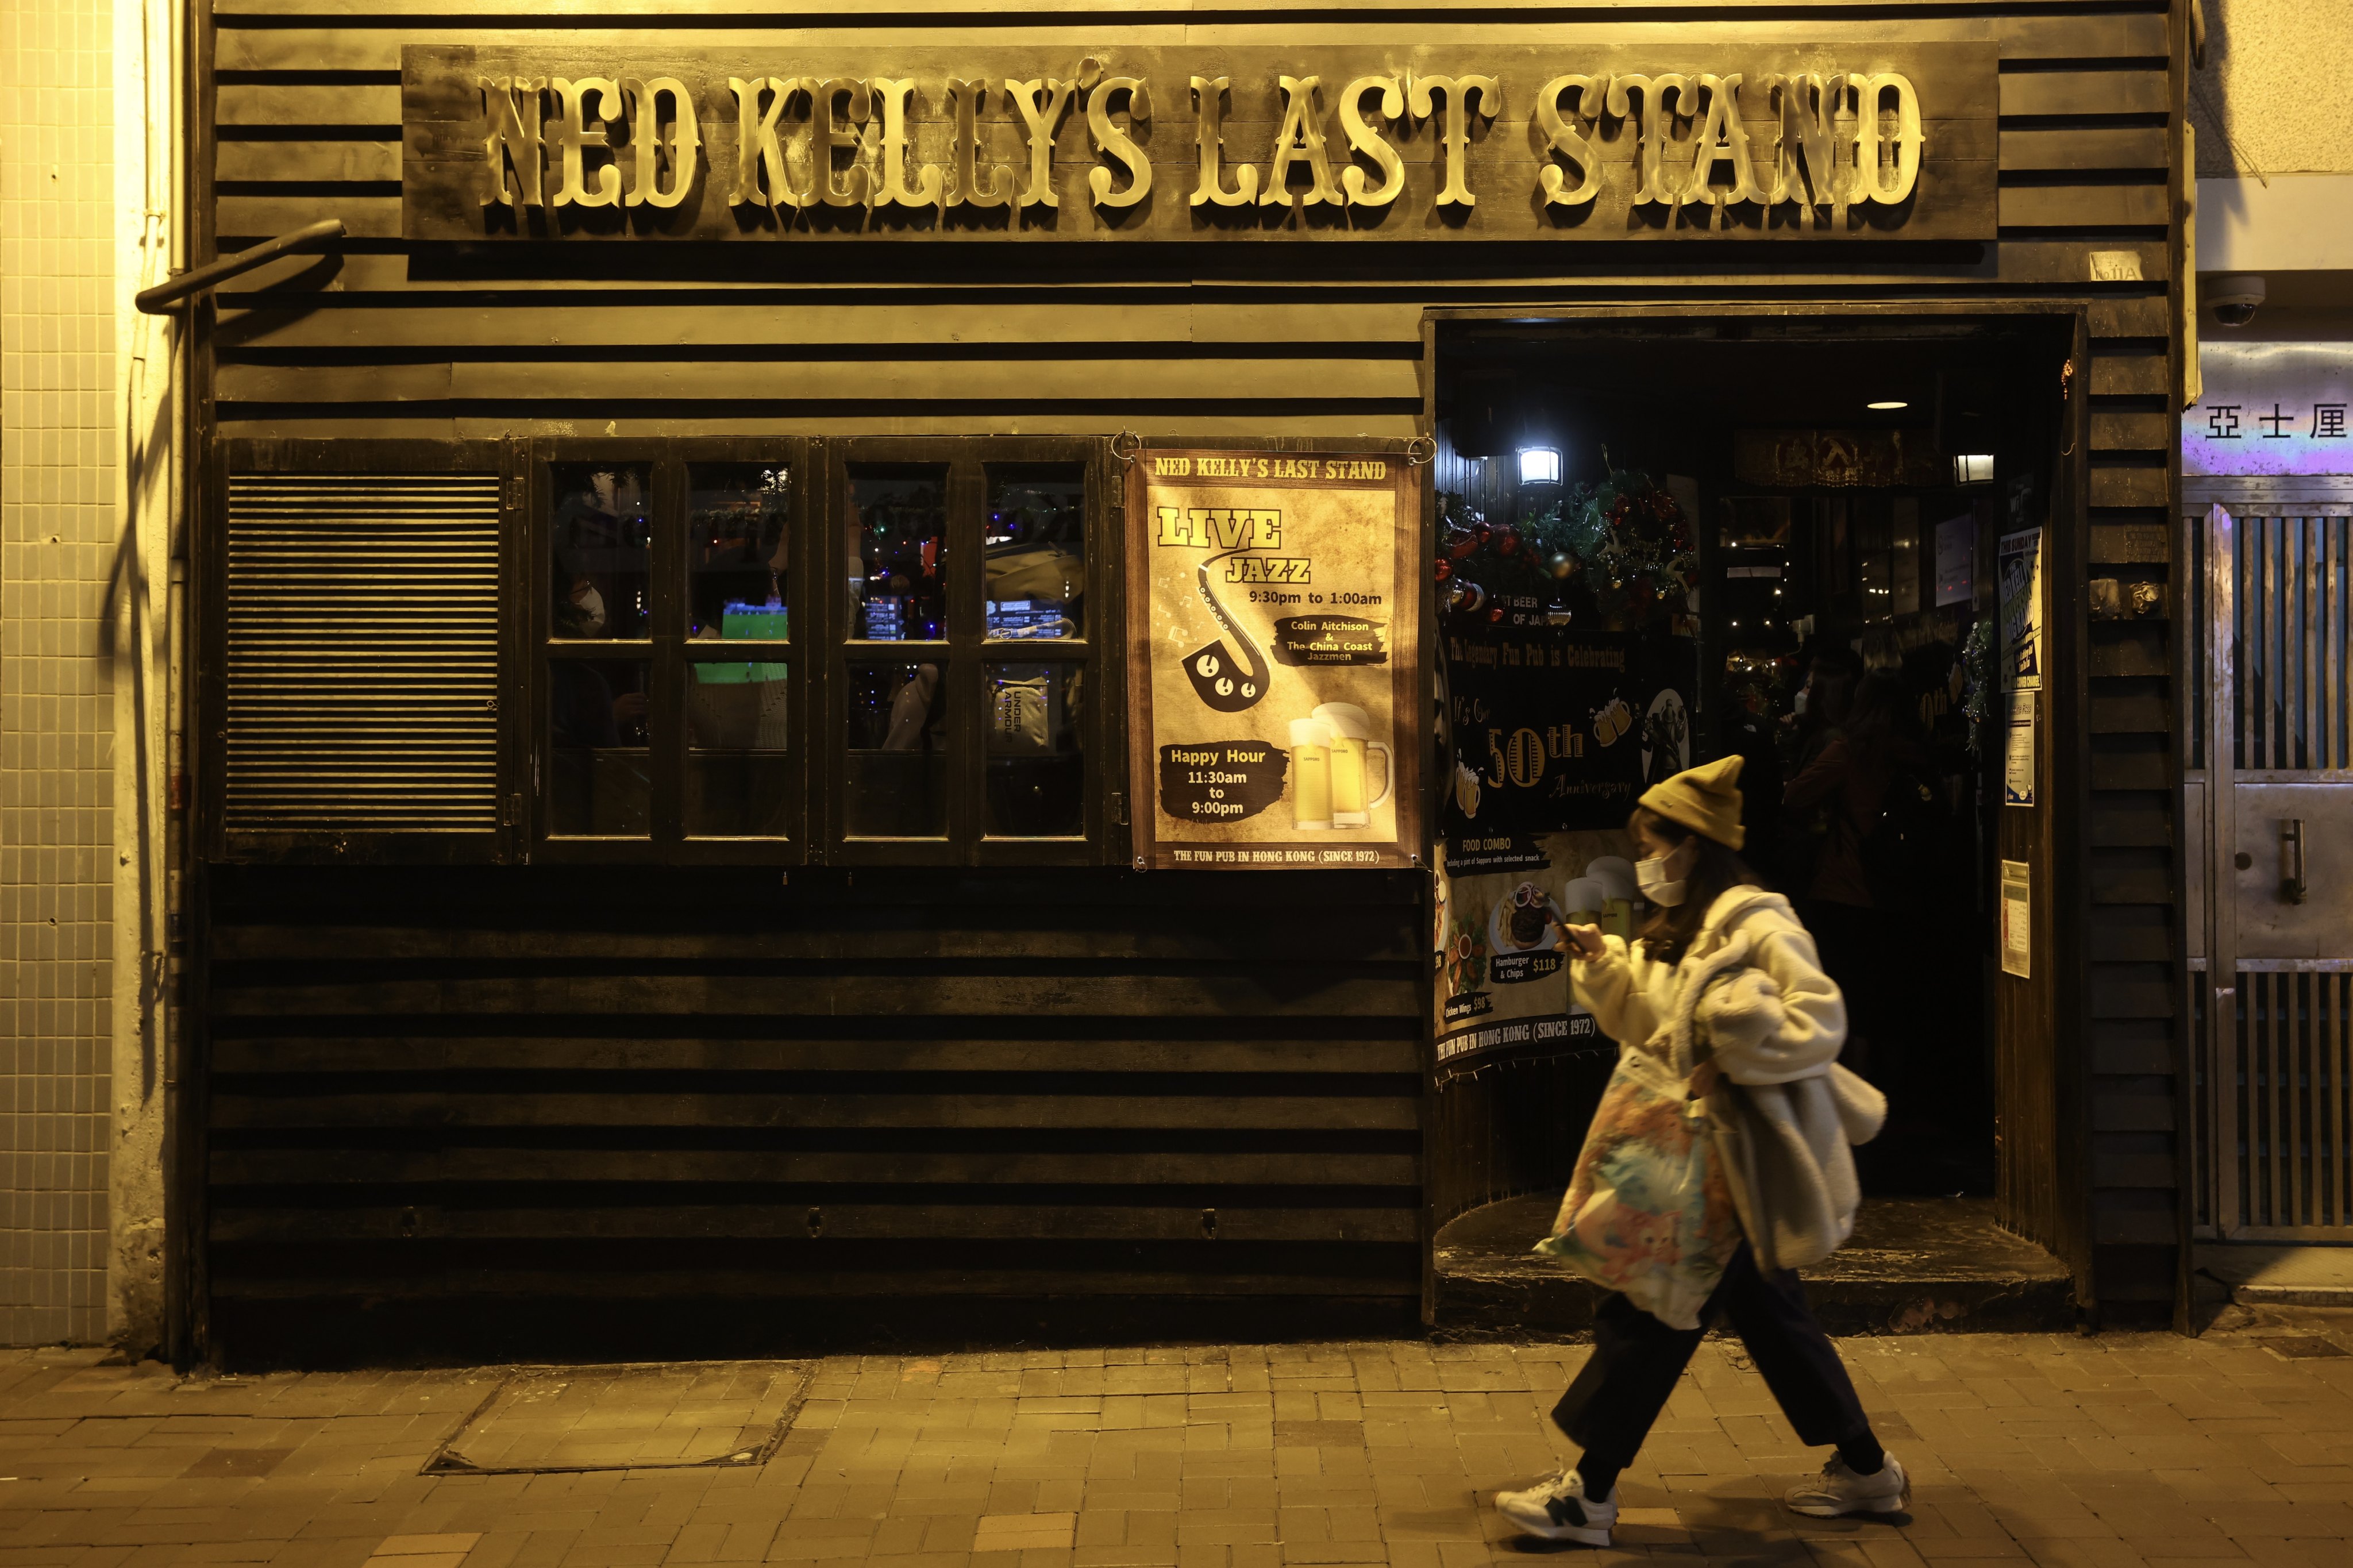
x=165 y=297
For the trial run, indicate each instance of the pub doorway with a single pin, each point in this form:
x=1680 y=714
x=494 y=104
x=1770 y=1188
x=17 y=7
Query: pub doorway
x=1798 y=521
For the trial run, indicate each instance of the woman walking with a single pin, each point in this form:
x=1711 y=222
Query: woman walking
x=1723 y=960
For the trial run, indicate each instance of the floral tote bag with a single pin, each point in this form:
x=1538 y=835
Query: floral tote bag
x=1648 y=1210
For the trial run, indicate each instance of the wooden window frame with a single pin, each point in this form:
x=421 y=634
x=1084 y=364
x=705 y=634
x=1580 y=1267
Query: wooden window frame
x=967 y=459
x=667 y=648
x=818 y=651
x=241 y=456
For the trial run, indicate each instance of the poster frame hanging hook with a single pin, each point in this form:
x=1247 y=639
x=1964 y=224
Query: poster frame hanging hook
x=1420 y=451
x=1127 y=446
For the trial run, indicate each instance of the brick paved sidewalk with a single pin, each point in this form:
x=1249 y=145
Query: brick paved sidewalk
x=2102 y=1453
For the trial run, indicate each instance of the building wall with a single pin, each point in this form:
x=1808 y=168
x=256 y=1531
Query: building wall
x=58 y=485
x=387 y=340
x=2274 y=98
x=86 y=197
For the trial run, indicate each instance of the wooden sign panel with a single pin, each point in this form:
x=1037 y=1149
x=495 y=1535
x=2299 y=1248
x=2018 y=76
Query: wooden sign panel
x=1275 y=626
x=1703 y=136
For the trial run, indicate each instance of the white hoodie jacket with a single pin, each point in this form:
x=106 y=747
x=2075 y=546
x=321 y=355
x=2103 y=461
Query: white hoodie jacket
x=1752 y=985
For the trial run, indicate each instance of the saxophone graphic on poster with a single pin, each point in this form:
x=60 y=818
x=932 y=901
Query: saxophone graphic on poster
x=1274 y=658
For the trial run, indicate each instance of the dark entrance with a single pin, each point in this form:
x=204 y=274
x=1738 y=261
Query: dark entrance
x=1846 y=487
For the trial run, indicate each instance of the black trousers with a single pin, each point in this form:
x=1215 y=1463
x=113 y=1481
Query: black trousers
x=1608 y=1409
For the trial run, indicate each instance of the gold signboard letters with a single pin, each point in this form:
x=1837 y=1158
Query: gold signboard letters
x=1892 y=142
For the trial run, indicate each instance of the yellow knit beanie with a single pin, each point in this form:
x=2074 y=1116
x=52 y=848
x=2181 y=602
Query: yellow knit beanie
x=1706 y=799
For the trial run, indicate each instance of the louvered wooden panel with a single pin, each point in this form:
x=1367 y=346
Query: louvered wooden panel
x=362 y=653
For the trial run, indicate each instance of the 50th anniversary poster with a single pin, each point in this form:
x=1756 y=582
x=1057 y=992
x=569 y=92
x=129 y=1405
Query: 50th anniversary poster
x=1274 y=623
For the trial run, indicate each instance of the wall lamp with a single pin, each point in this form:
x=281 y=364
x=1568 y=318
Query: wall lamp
x=1539 y=465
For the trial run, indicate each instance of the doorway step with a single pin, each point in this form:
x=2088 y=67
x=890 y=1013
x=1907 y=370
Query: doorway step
x=1914 y=1266
x=2257 y=1275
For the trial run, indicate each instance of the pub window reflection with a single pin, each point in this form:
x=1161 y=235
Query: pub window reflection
x=603 y=536
x=1037 y=775
x=601 y=782
x=738 y=748
x=738 y=524
x=1035 y=550
x=898 y=552
x=895 y=769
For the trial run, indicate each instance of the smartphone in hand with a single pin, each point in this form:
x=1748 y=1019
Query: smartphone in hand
x=1582 y=942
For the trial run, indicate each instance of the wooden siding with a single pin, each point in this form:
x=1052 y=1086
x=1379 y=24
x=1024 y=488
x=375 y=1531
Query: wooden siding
x=460 y=1105
x=886 y=340
x=1191 y=342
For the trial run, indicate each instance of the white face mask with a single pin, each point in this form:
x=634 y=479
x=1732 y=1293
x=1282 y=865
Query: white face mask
x=1661 y=878
x=591 y=606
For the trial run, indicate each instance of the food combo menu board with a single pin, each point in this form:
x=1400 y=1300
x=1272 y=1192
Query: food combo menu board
x=1273 y=668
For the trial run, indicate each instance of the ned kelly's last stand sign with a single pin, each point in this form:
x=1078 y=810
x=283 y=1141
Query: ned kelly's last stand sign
x=1820 y=142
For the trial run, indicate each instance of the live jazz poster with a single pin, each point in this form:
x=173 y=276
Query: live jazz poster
x=1273 y=668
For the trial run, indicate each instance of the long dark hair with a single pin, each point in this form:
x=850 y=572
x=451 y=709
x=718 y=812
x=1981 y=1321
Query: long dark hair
x=1667 y=934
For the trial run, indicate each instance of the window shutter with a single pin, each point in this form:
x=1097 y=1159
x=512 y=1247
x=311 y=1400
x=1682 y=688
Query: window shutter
x=361 y=642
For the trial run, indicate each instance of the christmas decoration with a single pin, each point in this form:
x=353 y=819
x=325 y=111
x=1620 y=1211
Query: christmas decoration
x=1981 y=683
x=1623 y=543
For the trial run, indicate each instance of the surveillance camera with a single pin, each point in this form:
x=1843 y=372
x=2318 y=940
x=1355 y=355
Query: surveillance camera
x=2235 y=297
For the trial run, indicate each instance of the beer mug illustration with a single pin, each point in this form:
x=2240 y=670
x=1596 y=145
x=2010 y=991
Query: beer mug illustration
x=1612 y=719
x=1584 y=902
x=1352 y=732
x=1310 y=774
x=1616 y=875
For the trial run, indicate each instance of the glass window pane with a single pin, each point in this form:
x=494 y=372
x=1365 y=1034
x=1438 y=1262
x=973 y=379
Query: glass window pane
x=603 y=534
x=898 y=552
x=738 y=534
x=737 y=748
x=1035 y=550
x=896 y=767
x=600 y=780
x=1037 y=775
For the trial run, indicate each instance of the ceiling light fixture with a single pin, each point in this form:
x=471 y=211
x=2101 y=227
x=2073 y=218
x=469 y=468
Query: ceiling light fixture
x=1539 y=465
x=1887 y=404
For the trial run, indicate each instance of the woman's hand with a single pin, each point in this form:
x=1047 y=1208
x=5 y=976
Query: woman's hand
x=1581 y=942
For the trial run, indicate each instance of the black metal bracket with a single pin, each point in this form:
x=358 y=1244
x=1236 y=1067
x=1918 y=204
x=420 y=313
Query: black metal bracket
x=165 y=298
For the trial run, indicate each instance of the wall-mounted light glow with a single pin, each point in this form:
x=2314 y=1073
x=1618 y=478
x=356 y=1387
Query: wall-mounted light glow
x=1887 y=404
x=1973 y=467
x=1539 y=465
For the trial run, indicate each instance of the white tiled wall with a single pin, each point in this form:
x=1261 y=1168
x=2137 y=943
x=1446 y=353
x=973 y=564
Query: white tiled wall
x=58 y=518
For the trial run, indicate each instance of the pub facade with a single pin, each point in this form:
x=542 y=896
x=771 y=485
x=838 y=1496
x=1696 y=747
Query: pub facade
x=863 y=679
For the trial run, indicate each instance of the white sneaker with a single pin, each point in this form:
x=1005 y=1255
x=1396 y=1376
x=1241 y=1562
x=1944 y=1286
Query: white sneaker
x=1839 y=1490
x=1558 y=1510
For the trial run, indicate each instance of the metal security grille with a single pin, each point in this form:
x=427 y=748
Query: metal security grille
x=2291 y=1112
x=2270 y=805
x=362 y=653
x=2290 y=636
